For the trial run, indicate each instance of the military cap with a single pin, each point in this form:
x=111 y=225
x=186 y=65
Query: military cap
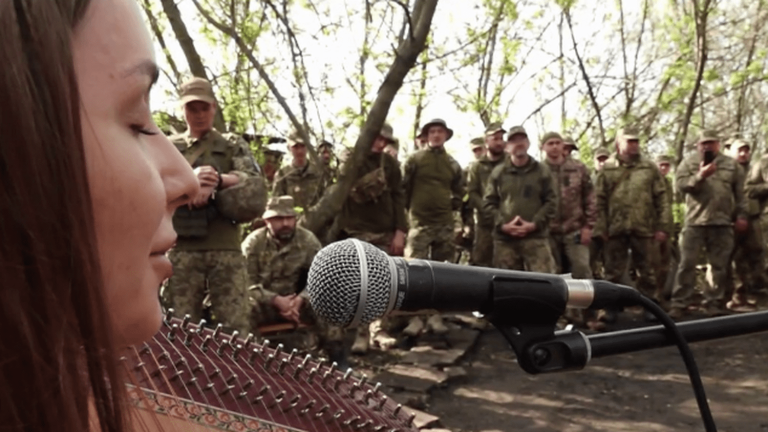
x=325 y=143
x=602 y=152
x=707 y=136
x=281 y=206
x=295 y=138
x=435 y=122
x=494 y=128
x=629 y=133
x=663 y=159
x=387 y=133
x=569 y=141
x=551 y=135
x=739 y=143
x=196 y=89
x=476 y=142
x=516 y=130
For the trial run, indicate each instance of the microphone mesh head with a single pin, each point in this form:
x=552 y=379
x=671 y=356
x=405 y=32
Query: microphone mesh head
x=336 y=281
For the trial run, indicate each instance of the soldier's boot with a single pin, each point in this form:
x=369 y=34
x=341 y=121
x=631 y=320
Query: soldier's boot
x=435 y=325
x=362 y=339
x=338 y=353
x=414 y=328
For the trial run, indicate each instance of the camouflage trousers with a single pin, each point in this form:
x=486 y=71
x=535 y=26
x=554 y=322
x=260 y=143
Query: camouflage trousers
x=526 y=254
x=435 y=242
x=747 y=275
x=663 y=262
x=596 y=257
x=321 y=334
x=616 y=255
x=482 y=249
x=570 y=256
x=221 y=274
x=717 y=241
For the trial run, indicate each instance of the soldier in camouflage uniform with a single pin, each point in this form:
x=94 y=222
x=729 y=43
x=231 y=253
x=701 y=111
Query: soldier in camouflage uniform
x=273 y=158
x=714 y=196
x=569 y=146
x=434 y=188
x=597 y=246
x=374 y=212
x=664 y=257
x=393 y=149
x=278 y=258
x=207 y=254
x=633 y=212
x=748 y=263
x=477 y=180
x=520 y=202
x=756 y=189
x=466 y=240
x=325 y=152
x=302 y=179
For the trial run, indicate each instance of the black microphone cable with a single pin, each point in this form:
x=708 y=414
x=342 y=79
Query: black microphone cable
x=633 y=296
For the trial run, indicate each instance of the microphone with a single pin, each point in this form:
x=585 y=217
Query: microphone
x=353 y=283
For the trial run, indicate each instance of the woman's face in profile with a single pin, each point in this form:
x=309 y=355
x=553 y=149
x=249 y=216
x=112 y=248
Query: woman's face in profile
x=137 y=177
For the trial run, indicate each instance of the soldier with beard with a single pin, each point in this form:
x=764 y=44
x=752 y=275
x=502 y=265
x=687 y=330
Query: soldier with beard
x=477 y=180
x=278 y=258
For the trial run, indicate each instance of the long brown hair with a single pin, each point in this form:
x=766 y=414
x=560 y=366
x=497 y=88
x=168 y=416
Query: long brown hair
x=56 y=352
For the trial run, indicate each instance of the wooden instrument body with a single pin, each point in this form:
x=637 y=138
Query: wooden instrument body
x=213 y=381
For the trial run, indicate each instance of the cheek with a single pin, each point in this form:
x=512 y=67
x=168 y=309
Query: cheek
x=129 y=205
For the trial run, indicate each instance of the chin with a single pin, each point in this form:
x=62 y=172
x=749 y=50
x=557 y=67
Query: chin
x=138 y=323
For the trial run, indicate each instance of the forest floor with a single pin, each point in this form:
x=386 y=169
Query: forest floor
x=647 y=391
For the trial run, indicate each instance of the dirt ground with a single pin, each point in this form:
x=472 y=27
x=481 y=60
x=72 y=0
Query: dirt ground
x=647 y=391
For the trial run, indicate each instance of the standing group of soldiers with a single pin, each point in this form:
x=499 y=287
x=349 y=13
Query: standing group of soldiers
x=546 y=216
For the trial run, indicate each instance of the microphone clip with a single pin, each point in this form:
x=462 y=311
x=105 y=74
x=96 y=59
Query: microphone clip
x=526 y=314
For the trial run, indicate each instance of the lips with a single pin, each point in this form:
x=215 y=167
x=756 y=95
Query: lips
x=164 y=247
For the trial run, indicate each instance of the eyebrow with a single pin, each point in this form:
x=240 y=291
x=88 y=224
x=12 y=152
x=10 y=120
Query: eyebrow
x=146 y=67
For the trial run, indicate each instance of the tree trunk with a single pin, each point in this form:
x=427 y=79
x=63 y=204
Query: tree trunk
x=190 y=52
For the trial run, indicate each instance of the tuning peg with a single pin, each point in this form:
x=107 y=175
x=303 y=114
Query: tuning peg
x=298 y=370
x=248 y=341
x=236 y=351
x=206 y=342
x=217 y=330
x=367 y=397
x=201 y=326
x=376 y=388
x=307 y=407
x=351 y=420
x=233 y=338
x=145 y=349
x=185 y=322
x=281 y=367
x=278 y=350
x=338 y=414
x=397 y=410
x=380 y=404
x=172 y=333
x=292 y=403
x=292 y=354
x=168 y=315
x=253 y=355
x=306 y=360
x=411 y=418
x=213 y=374
x=260 y=394
x=322 y=411
x=268 y=361
x=364 y=425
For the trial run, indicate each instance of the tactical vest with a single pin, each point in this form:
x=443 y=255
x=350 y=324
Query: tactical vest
x=197 y=224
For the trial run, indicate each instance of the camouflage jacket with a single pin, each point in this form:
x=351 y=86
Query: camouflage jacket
x=434 y=187
x=477 y=180
x=754 y=206
x=631 y=199
x=274 y=268
x=716 y=200
x=576 y=202
x=229 y=154
x=305 y=185
x=386 y=212
x=525 y=191
x=756 y=185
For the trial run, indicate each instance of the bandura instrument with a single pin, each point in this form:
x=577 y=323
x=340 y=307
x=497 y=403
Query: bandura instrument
x=204 y=379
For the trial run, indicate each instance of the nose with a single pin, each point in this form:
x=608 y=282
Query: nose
x=180 y=182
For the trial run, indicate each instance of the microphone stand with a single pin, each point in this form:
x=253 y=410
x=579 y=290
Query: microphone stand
x=572 y=350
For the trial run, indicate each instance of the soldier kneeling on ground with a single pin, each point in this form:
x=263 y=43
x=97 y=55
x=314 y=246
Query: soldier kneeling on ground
x=278 y=258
